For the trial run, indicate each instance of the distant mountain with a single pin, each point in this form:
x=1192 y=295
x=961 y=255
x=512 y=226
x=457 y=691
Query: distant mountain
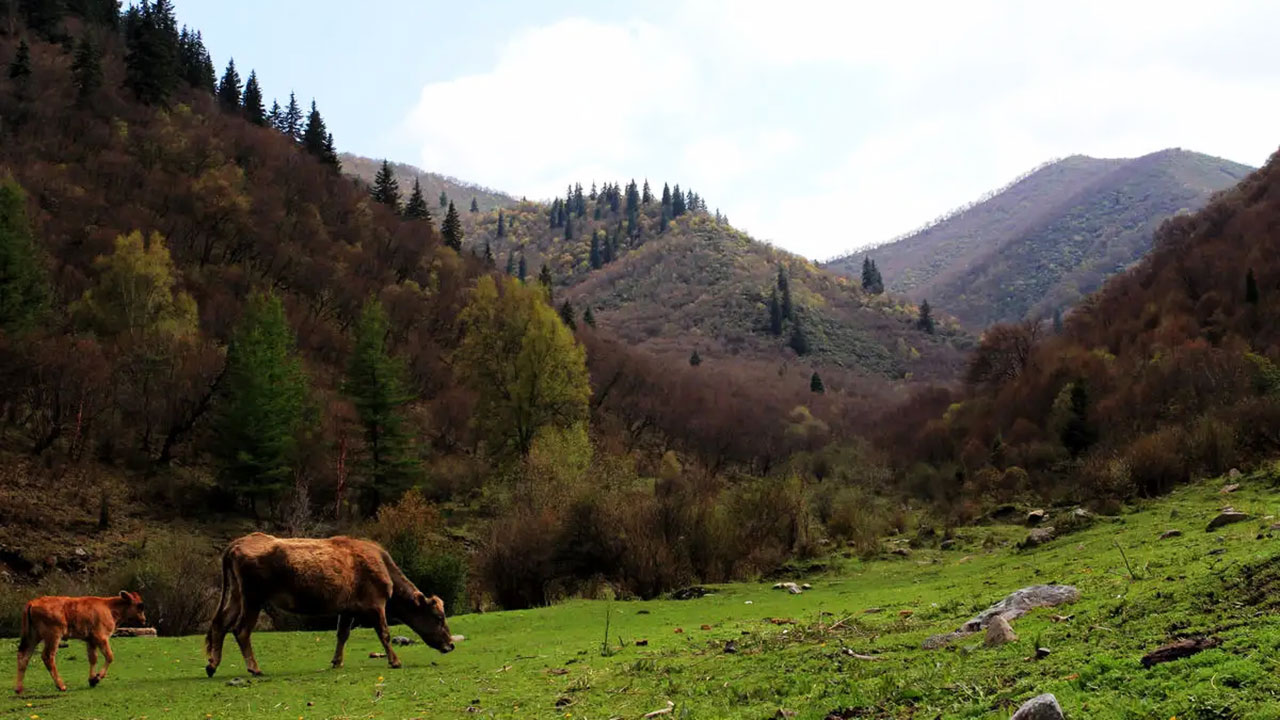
x=701 y=284
x=459 y=191
x=1049 y=238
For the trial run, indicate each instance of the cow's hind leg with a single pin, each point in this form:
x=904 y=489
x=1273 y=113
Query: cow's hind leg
x=384 y=634
x=108 y=657
x=244 y=631
x=92 y=653
x=344 y=631
x=50 y=659
x=26 y=647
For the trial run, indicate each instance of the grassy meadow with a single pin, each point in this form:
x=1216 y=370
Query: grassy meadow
x=793 y=652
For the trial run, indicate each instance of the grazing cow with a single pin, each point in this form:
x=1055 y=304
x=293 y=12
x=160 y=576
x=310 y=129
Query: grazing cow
x=354 y=579
x=92 y=619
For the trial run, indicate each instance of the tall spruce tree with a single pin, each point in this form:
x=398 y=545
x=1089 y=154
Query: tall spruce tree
x=589 y=317
x=596 y=259
x=416 y=208
x=444 y=199
x=152 y=60
x=544 y=279
x=799 y=339
x=568 y=228
x=86 y=69
x=377 y=383
x=925 y=321
x=195 y=66
x=386 y=189
x=291 y=121
x=694 y=358
x=475 y=207
x=511 y=263
x=20 y=68
x=274 y=115
x=566 y=316
x=1078 y=434
x=24 y=281
x=776 y=317
x=254 y=112
x=488 y=255
x=330 y=155
x=229 y=88
x=317 y=140
x=815 y=384
x=451 y=229
x=502 y=225
x=262 y=407
x=523 y=270
x=678 y=207
x=646 y=195
x=784 y=291
x=1250 y=288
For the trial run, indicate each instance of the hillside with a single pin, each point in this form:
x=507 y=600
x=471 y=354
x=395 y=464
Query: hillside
x=696 y=283
x=458 y=191
x=1048 y=239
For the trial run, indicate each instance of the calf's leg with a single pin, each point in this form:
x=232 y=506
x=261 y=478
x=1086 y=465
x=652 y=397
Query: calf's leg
x=92 y=653
x=26 y=646
x=50 y=659
x=384 y=634
x=344 y=631
x=108 y=657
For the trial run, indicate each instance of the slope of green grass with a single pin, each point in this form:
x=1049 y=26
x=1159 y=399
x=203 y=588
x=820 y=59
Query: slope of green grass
x=549 y=662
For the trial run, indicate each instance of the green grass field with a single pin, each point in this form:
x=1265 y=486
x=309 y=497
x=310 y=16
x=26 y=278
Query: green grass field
x=549 y=663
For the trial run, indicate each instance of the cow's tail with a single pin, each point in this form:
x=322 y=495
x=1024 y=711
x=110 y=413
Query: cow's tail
x=27 y=640
x=224 y=616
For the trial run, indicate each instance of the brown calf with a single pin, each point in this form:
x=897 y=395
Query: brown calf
x=92 y=619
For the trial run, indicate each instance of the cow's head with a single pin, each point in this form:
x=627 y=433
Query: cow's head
x=426 y=617
x=133 y=611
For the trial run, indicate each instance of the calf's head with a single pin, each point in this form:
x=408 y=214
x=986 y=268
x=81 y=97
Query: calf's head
x=133 y=612
x=426 y=617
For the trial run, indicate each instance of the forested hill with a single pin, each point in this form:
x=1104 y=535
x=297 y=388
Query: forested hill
x=657 y=269
x=1047 y=240
x=439 y=189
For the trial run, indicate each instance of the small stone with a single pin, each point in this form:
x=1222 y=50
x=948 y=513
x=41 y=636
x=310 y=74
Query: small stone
x=731 y=647
x=1170 y=534
x=947 y=544
x=1234 y=474
x=904 y=552
x=784 y=714
x=377 y=655
x=237 y=682
x=1226 y=517
x=642 y=643
x=80 y=552
x=706 y=627
x=1042 y=653
x=1228 y=489
x=1042 y=707
x=1035 y=517
x=999 y=632
x=1040 y=536
x=402 y=640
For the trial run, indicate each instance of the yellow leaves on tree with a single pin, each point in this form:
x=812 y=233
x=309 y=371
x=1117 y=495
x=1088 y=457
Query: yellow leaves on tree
x=134 y=294
x=525 y=366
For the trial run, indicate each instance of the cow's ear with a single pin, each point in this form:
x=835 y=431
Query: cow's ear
x=439 y=604
x=419 y=599
x=125 y=594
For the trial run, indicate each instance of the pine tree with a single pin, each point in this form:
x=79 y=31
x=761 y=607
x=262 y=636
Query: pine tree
x=317 y=140
x=1250 y=288
x=253 y=110
x=152 y=61
x=194 y=65
x=694 y=358
x=330 y=155
x=24 y=281
x=566 y=316
x=664 y=220
x=925 y=321
x=86 y=69
x=291 y=122
x=262 y=405
x=229 y=88
x=544 y=279
x=444 y=199
x=20 y=68
x=502 y=225
x=568 y=228
x=451 y=229
x=589 y=317
x=511 y=263
x=666 y=196
x=776 y=317
x=488 y=255
x=596 y=260
x=799 y=340
x=43 y=17
x=678 y=207
x=386 y=189
x=416 y=208
x=523 y=270
x=1079 y=434
x=275 y=116
x=1057 y=321
x=475 y=207
x=815 y=384
x=646 y=195
x=784 y=289
x=377 y=383
x=593 y=194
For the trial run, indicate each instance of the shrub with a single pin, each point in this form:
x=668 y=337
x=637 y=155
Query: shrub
x=179 y=578
x=1106 y=477
x=516 y=563
x=409 y=530
x=858 y=520
x=1157 y=463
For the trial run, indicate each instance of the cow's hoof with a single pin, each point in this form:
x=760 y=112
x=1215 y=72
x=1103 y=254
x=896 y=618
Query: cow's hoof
x=210 y=670
x=255 y=672
x=93 y=681
x=336 y=666
x=62 y=688
x=395 y=665
x=17 y=691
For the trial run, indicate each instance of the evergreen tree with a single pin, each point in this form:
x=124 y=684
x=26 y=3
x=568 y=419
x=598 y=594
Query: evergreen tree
x=444 y=199
x=195 y=66
x=568 y=228
x=646 y=195
x=291 y=121
x=488 y=255
x=544 y=279
x=799 y=340
x=678 y=207
x=664 y=220
x=579 y=200
x=386 y=189
x=229 y=88
x=24 y=281
x=253 y=110
x=1079 y=434
x=523 y=270
x=275 y=115
x=502 y=225
x=815 y=384
x=152 y=60
x=451 y=229
x=416 y=208
x=784 y=290
x=262 y=406
x=86 y=69
x=925 y=321
x=20 y=68
x=1250 y=288
x=377 y=383
x=566 y=316
x=596 y=260
x=475 y=207
x=1057 y=321
x=317 y=140
x=330 y=155
x=589 y=317
x=666 y=196
x=776 y=317
x=43 y=17
x=511 y=263
x=694 y=358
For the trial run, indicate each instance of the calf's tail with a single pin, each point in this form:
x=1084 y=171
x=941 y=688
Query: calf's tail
x=26 y=640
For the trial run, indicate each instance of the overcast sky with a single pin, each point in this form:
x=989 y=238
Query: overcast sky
x=819 y=125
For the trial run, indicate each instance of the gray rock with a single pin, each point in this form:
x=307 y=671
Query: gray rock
x=904 y=552
x=1170 y=534
x=1035 y=517
x=1040 y=536
x=1234 y=474
x=1226 y=517
x=1042 y=707
x=1081 y=514
x=948 y=544
x=1228 y=489
x=999 y=632
x=402 y=640
x=1012 y=607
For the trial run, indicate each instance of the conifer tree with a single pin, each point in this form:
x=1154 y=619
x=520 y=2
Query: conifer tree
x=566 y=316
x=317 y=140
x=694 y=358
x=544 y=279
x=678 y=207
x=799 y=340
x=776 y=317
x=1078 y=434
x=86 y=69
x=511 y=263
x=664 y=220
x=152 y=61
x=262 y=406
x=330 y=155
x=377 y=383
x=24 y=281
x=475 y=207
x=592 y=195
x=666 y=196
x=568 y=228
x=444 y=199
x=589 y=317
x=229 y=88
x=502 y=225
x=195 y=66
x=1250 y=288
x=254 y=112
x=925 y=321
x=20 y=68
x=386 y=189
x=784 y=290
x=291 y=121
x=488 y=255
x=451 y=229
x=815 y=384
x=43 y=17
x=646 y=195
x=1057 y=321
x=596 y=260
x=275 y=115
x=416 y=208
x=523 y=270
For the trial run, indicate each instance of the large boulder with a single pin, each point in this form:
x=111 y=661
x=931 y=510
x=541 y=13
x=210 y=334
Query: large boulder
x=1040 y=536
x=1041 y=707
x=1012 y=607
x=1226 y=517
x=1035 y=517
x=999 y=632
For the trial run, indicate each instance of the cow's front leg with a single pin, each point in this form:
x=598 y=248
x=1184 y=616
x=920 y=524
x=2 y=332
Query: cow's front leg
x=384 y=634
x=49 y=655
x=92 y=653
x=345 y=622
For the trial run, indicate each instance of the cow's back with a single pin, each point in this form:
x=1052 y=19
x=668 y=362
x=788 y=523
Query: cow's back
x=73 y=617
x=311 y=576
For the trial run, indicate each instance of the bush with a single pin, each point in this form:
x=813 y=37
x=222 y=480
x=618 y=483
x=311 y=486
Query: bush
x=179 y=578
x=858 y=520
x=409 y=530
x=1157 y=463
x=516 y=563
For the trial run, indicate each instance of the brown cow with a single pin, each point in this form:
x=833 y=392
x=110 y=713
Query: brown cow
x=92 y=619
x=354 y=579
